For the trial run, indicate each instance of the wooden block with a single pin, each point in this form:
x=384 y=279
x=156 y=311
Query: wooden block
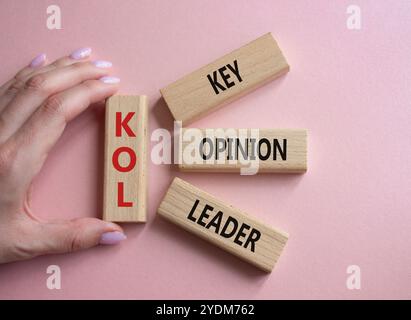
x=125 y=167
x=225 y=79
x=246 y=150
x=219 y=223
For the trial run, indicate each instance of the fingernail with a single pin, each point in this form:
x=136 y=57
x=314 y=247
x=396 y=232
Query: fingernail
x=81 y=53
x=38 y=61
x=110 y=80
x=102 y=64
x=111 y=238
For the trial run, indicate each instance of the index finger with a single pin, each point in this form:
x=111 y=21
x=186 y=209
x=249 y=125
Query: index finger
x=38 y=65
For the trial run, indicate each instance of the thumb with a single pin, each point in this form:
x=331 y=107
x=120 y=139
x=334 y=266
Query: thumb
x=73 y=235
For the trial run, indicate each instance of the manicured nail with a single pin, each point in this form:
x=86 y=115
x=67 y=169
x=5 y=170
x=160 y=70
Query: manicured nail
x=110 y=80
x=81 y=53
x=38 y=61
x=111 y=238
x=102 y=64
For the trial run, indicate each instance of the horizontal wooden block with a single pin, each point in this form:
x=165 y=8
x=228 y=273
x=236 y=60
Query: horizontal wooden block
x=125 y=168
x=219 y=223
x=225 y=79
x=252 y=150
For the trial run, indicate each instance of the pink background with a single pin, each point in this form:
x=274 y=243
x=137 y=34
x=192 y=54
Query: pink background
x=350 y=89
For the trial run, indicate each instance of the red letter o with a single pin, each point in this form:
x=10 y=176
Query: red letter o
x=133 y=159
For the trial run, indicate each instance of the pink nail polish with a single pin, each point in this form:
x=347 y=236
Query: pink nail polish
x=81 y=53
x=110 y=80
x=102 y=64
x=112 y=238
x=38 y=61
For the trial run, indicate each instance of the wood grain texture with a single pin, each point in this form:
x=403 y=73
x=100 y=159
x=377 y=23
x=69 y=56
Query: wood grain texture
x=126 y=137
x=257 y=243
x=246 y=68
x=230 y=150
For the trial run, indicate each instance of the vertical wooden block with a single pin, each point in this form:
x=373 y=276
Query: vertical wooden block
x=231 y=150
x=125 y=167
x=223 y=225
x=225 y=79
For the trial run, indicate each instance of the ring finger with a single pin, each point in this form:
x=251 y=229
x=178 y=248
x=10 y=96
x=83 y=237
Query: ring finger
x=41 y=86
x=38 y=65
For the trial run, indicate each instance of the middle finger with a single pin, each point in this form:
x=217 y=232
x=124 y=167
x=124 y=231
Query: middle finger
x=40 y=87
x=12 y=87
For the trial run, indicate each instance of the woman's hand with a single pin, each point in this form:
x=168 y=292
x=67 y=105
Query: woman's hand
x=35 y=107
